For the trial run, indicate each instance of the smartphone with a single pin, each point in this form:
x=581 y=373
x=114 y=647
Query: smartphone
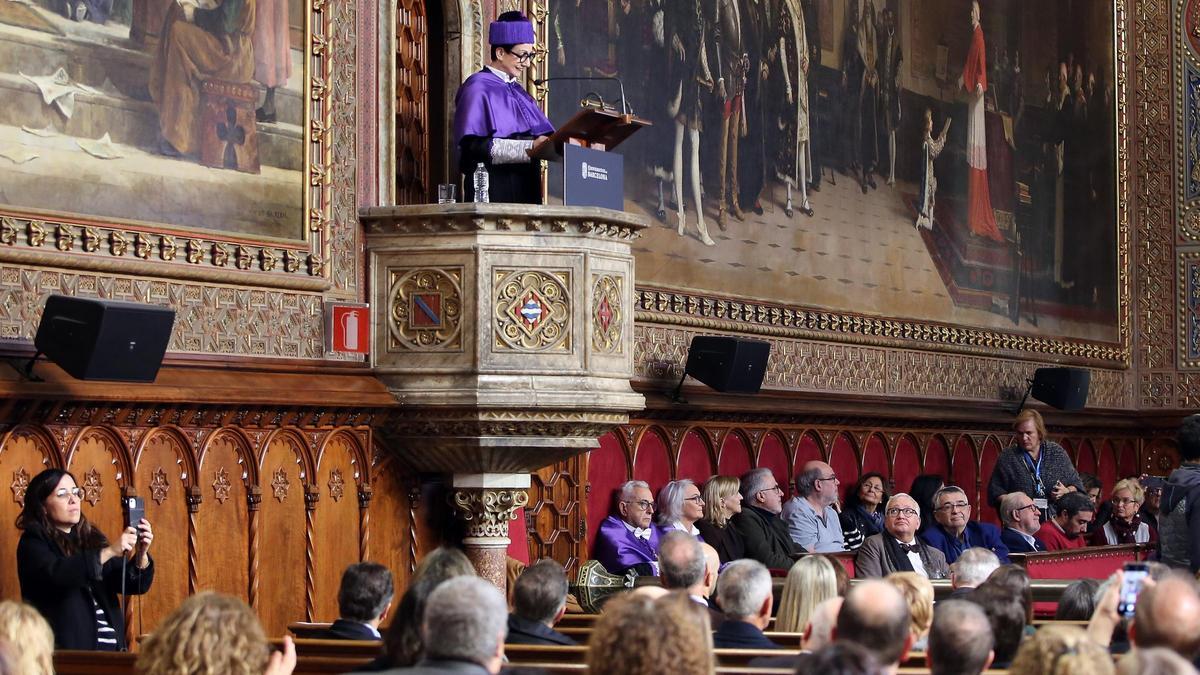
x=1130 y=587
x=135 y=510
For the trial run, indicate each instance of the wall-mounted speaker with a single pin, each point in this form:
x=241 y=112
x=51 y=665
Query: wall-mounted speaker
x=105 y=339
x=1062 y=388
x=728 y=364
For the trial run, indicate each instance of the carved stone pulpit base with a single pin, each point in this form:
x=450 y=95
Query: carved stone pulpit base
x=487 y=502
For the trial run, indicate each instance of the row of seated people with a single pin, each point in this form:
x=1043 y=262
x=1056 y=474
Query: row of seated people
x=748 y=518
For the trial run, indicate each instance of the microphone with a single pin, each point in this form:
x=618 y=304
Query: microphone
x=624 y=103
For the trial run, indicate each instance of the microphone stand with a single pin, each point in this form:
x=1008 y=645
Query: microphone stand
x=620 y=85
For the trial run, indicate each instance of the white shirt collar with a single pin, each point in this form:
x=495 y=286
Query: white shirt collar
x=502 y=75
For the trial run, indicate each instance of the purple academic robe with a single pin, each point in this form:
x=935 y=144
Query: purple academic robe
x=618 y=550
x=485 y=108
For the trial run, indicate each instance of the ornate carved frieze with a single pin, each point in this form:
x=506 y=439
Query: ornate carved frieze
x=337 y=485
x=488 y=512
x=280 y=484
x=532 y=310
x=20 y=483
x=159 y=486
x=221 y=485
x=608 y=308
x=425 y=309
x=92 y=486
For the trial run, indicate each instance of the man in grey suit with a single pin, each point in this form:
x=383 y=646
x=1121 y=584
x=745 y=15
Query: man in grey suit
x=897 y=548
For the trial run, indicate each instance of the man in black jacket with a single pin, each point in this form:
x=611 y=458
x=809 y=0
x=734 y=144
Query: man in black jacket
x=364 y=599
x=1179 y=515
x=744 y=588
x=539 y=601
x=764 y=533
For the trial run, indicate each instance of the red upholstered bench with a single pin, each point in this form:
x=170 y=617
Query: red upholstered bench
x=1093 y=562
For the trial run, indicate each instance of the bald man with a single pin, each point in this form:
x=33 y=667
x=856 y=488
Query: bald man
x=811 y=520
x=819 y=631
x=875 y=616
x=1168 y=615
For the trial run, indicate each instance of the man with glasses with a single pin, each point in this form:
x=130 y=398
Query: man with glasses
x=955 y=532
x=1021 y=519
x=897 y=548
x=497 y=123
x=762 y=530
x=811 y=520
x=626 y=540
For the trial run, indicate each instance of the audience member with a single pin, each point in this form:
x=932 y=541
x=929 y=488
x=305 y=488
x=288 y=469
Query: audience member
x=1034 y=465
x=1125 y=526
x=922 y=491
x=1095 y=492
x=722 y=500
x=665 y=636
x=539 y=602
x=1154 y=661
x=744 y=588
x=862 y=514
x=972 y=568
x=213 y=633
x=1061 y=650
x=1007 y=617
x=762 y=531
x=70 y=572
x=679 y=507
x=875 y=616
x=809 y=582
x=626 y=540
x=364 y=599
x=955 y=532
x=840 y=658
x=960 y=639
x=1064 y=530
x=819 y=631
x=1014 y=581
x=1152 y=506
x=21 y=625
x=1168 y=615
x=897 y=548
x=1179 y=520
x=402 y=643
x=683 y=566
x=918 y=593
x=1078 y=601
x=811 y=519
x=463 y=629
x=1021 y=520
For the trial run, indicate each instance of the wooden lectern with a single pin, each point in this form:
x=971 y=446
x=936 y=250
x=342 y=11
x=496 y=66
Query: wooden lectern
x=598 y=128
x=592 y=176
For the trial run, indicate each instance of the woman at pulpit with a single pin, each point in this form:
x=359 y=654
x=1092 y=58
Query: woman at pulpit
x=497 y=123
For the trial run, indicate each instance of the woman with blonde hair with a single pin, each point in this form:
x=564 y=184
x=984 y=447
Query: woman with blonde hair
x=213 y=633
x=1126 y=525
x=664 y=636
x=811 y=581
x=918 y=593
x=1057 y=649
x=21 y=625
x=722 y=500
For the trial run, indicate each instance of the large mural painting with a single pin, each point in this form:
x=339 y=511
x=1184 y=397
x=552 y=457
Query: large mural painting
x=933 y=160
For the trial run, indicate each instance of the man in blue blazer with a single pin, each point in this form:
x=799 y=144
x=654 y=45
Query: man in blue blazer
x=955 y=532
x=744 y=590
x=1021 y=519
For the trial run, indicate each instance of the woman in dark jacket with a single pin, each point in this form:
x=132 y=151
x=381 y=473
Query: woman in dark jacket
x=721 y=501
x=68 y=570
x=862 y=515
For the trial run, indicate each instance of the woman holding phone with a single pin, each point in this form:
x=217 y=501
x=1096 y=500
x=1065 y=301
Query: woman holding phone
x=70 y=572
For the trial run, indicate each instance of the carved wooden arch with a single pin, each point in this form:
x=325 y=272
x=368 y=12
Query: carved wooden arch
x=56 y=457
x=187 y=452
x=304 y=453
x=889 y=449
x=816 y=436
x=123 y=459
x=746 y=440
x=710 y=447
x=357 y=452
x=1085 y=442
x=928 y=445
x=976 y=449
x=788 y=449
x=855 y=445
x=242 y=446
x=657 y=430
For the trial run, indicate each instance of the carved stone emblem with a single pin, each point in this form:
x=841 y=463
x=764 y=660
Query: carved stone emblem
x=221 y=485
x=92 y=487
x=425 y=309
x=532 y=310
x=280 y=484
x=159 y=486
x=607 y=314
x=20 y=482
x=337 y=485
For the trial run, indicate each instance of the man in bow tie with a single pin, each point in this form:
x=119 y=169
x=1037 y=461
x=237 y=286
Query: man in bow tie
x=897 y=548
x=626 y=540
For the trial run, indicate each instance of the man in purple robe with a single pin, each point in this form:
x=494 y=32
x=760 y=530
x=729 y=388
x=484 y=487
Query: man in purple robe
x=626 y=540
x=497 y=123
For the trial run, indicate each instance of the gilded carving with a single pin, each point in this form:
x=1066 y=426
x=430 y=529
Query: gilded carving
x=8 y=231
x=36 y=233
x=221 y=485
x=425 y=309
x=608 y=313
x=159 y=486
x=92 y=486
x=280 y=484
x=20 y=483
x=532 y=311
x=117 y=243
x=194 y=251
x=337 y=485
x=167 y=247
x=266 y=259
x=220 y=255
x=487 y=512
x=64 y=237
x=141 y=246
x=242 y=258
x=291 y=260
x=91 y=239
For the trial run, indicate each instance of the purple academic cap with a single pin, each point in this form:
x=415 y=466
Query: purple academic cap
x=511 y=32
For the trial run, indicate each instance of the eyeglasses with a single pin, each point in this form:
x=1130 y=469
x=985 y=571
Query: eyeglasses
x=894 y=512
x=833 y=478
x=959 y=506
x=776 y=488
x=1025 y=508
x=867 y=487
x=642 y=504
x=694 y=498
x=523 y=57
x=75 y=492
x=1123 y=501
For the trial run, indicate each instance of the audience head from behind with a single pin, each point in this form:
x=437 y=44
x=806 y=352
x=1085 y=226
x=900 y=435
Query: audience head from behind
x=960 y=639
x=636 y=633
x=680 y=505
x=875 y=616
x=760 y=490
x=540 y=593
x=1078 y=601
x=902 y=518
x=1168 y=615
x=30 y=636
x=1061 y=650
x=973 y=567
x=1006 y=615
x=1154 y=661
x=635 y=503
x=722 y=499
x=840 y=658
x=1014 y=580
x=745 y=592
x=918 y=593
x=1019 y=512
x=810 y=581
x=712 y=567
x=681 y=562
x=821 y=624
x=466 y=620
x=366 y=593
x=1074 y=512
x=208 y=633
x=402 y=643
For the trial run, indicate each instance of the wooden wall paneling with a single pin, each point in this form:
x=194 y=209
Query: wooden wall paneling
x=844 y=458
x=772 y=454
x=695 y=457
x=24 y=453
x=101 y=464
x=336 y=532
x=906 y=463
x=1159 y=456
x=282 y=574
x=556 y=508
x=937 y=457
x=987 y=460
x=227 y=469
x=964 y=467
x=734 y=459
x=162 y=475
x=652 y=459
x=608 y=466
x=395 y=542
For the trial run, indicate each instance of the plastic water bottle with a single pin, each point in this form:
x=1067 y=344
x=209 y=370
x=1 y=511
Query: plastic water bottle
x=481 y=183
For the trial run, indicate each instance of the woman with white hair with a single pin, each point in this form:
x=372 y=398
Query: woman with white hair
x=1126 y=525
x=680 y=505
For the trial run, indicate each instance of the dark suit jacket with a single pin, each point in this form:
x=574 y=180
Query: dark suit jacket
x=983 y=535
x=526 y=632
x=439 y=667
x=57 y=585
x=343 y=629
x=1017 y=544
x=765 y=537
x=726 y=540
x=873 y=562
x=741 y=635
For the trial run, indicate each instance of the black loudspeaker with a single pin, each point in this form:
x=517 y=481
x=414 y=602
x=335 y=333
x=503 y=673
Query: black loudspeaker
x=728 y=364
x=104 y=339
x=1062 y=388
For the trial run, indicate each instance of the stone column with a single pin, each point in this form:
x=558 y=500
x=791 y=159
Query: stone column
x=488 y=502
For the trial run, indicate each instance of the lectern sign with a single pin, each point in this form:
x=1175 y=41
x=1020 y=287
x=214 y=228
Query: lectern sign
x=593 y=178
x=347 y=328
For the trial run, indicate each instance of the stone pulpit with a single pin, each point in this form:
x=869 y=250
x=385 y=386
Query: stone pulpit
x=505 y=331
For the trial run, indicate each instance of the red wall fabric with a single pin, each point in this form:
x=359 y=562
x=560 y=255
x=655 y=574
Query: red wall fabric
x=735 y=458
x=694 y=460
x=843 y=457
x=773 y=455
x=907 y=464
x=652 y=461
x=608 y=467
